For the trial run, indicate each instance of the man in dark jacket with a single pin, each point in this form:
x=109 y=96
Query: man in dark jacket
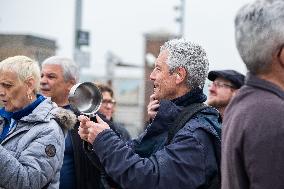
x=58 y=75
x=188 y=159
x=252 y=137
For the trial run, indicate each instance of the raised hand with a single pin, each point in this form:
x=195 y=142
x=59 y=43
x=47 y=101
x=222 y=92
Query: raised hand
x=89 y=130
x=152 y=107
x=83 y=129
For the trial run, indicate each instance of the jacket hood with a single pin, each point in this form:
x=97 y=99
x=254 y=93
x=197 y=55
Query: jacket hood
x=212 y=121
x=65 y=118
x=48 y=110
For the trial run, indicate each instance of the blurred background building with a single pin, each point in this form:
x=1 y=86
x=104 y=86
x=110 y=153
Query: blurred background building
x=35 y=47
x=131 y=82
x=113 y=41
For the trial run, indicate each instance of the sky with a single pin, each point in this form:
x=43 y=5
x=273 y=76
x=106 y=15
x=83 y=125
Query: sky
x=119 y=26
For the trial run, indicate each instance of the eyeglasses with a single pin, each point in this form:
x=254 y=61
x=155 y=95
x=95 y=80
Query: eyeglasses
x=221 y=85
x=108 y=101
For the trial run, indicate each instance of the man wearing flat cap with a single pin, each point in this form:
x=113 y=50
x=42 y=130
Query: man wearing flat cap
x=225 y=84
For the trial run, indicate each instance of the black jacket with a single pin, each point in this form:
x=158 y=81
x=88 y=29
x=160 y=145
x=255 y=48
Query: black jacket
x=87 y=175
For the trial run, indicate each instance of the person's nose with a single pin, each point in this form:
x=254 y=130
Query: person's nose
x=153 y=75
x=2 y=92
x=108 y=105
x=43 y=80
x=212 y=87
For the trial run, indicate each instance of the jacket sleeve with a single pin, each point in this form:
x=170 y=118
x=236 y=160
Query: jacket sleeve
x=180 y=164
x=37 y=164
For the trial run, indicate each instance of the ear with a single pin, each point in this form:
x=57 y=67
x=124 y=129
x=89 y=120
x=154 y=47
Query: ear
x=281 y=56
x=234 y=92
x=30 y=83
x=180 y=75
x=71 y=83
x=278 y=56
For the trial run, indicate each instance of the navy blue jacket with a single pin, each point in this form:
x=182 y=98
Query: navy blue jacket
x=189 y=161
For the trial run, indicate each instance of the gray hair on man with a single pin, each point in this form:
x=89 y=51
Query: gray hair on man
x=259 y=32
x=192 y=57
x=69 y=67
x=25 y=68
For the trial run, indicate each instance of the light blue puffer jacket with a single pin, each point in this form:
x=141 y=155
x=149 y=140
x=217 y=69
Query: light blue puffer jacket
x=31 y=155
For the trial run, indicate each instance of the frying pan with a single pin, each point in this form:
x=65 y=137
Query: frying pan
x=86 y=98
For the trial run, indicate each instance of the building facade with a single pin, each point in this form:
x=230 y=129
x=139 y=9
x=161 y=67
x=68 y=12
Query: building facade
x=34 y=47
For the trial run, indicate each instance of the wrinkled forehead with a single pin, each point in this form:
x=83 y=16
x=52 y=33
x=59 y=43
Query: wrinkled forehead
x=162 y=58
x=52 y=69
x=9 y=76
x=106 y=95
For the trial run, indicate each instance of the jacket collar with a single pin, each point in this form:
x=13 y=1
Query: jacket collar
x=23 y=112
x=194 y=96
x=255 y=81
x=170 y=109
x=48 y=110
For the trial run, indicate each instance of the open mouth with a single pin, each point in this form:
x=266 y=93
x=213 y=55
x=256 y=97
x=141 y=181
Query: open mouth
x=44 y=89
x=4 y=102
x=155 y=87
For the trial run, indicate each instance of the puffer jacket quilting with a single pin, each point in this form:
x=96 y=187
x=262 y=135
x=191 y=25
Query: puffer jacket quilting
x=31 y=155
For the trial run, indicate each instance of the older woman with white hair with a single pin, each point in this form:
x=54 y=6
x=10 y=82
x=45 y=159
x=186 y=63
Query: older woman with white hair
x=31 y=128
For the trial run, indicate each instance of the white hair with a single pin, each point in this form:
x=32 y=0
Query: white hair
x=24 y=67
x=69 y=67
x=190 y=56
x=259 y=33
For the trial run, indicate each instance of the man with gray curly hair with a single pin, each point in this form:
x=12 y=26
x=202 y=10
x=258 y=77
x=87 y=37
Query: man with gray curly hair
x=181 y=147
x=252 y=136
